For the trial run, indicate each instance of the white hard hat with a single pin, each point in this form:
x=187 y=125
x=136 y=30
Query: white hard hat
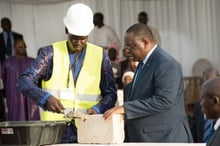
x=79 y=20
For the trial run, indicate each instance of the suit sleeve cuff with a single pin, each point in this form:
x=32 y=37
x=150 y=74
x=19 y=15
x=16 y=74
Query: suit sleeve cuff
x=96 y=109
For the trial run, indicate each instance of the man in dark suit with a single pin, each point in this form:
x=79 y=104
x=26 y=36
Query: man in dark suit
x=198 y=121
x=7 y=38
x=154 y=109
x=210 y=103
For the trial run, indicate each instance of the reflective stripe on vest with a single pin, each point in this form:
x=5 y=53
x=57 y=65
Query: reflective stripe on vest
x=86 y=92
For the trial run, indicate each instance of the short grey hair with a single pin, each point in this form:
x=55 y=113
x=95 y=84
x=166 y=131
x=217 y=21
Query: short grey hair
x=141 y=30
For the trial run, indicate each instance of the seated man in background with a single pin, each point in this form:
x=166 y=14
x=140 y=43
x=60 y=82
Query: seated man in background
x=202 y=128
x=210 y=102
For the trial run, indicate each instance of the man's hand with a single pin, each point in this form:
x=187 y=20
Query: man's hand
x=115 y=110
x=54 y=105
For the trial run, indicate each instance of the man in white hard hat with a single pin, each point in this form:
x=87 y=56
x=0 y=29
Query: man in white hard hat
x=74 y=74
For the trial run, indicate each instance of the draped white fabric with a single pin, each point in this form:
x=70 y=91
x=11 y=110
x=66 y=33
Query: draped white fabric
x=189 y=29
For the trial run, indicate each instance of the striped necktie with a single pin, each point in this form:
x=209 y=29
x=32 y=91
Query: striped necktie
x=208 y=129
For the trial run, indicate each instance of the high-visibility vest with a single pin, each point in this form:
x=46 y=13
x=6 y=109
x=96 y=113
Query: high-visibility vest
x=86 y=92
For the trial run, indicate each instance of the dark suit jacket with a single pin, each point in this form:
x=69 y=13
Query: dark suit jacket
x=197 y=124
x=3 y=45
x=215 y=139
x=155 y=106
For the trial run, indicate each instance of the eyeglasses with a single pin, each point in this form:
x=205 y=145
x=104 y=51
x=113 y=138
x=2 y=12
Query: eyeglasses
x=131 y=47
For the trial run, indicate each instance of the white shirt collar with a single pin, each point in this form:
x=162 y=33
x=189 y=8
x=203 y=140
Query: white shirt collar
x=217 y=124
x=148 y=55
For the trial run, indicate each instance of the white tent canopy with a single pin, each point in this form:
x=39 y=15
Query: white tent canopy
x=188 y=28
